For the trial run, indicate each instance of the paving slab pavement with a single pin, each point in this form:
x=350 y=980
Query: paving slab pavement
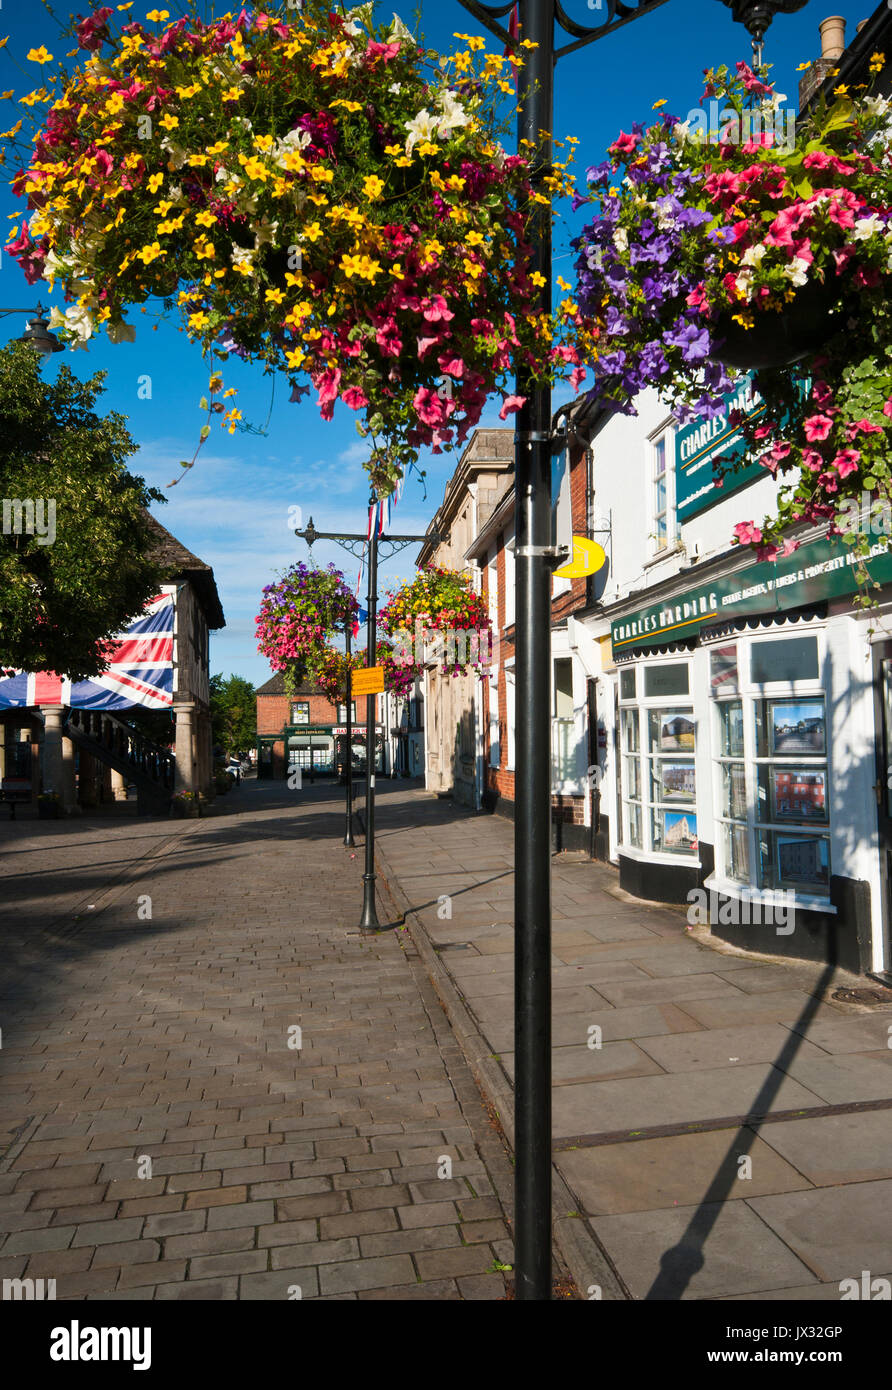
x=722 y=1122
x=212 y=1087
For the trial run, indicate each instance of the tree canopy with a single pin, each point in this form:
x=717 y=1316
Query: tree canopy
x=76 y=551
x=233 y=712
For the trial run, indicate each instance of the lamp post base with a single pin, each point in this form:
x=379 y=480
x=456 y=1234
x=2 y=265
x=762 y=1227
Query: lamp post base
x=369 y=920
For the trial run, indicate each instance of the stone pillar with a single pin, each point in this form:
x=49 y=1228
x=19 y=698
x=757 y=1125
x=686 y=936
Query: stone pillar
x=68 y=788
x=186 y=774
x=118 y=785
x=52 y=771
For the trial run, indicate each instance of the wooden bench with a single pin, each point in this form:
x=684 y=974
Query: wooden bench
x=14 y=790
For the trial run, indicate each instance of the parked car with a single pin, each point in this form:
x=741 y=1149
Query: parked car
x=234 y=769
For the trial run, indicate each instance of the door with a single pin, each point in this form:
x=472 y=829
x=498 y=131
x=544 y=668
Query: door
x=882 y=659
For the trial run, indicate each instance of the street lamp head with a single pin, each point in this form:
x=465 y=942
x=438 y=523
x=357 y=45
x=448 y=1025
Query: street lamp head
x=756 y=15
x=38 y=336
x=310 y=533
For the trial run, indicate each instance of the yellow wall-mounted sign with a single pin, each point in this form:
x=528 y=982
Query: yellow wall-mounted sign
x=588 y=557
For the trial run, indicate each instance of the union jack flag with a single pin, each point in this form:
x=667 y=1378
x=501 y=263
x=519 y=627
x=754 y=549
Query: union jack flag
x=139 y=670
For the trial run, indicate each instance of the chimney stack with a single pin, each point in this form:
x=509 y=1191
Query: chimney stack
x=833 y=44
x=833 y=37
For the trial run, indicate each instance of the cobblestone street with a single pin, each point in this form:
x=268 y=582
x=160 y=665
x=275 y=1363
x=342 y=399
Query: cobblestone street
x=163 y=1136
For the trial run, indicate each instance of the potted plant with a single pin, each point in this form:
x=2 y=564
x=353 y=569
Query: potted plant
x=186 y=805
x=744 y=246
x=49 y=805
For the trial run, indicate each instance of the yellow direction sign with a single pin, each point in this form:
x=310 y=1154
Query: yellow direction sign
x=588 y=557
x=369 y=681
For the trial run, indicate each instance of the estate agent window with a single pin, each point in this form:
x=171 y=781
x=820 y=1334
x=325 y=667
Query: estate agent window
x=658 y=778
x=300 y=712
x=770 y=719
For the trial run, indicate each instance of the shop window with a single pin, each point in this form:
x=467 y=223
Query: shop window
x=662 y=507
x=773 y=810
x=342 y=712
x=794 y=659
x=658 y=776
x=666 y=679
x=300 y=712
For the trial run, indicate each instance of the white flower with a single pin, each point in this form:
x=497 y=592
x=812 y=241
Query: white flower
x=55 y=265
x=264 y=233
x=753 y=254
x=359 y=19
x=621 y=239
x=176 y=152
x=396 y=87
x=454 y=114
x=876 y=106
x=121 y=332
x=293 y=142
x=398 y=30
x=681 y=130
x=797 y=271
x=240 y=255
x=422 y=127
x=866 y=226
x=77 y=319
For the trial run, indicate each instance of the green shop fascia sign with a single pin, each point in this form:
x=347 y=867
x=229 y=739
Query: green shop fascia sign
x=697 y=444
x=819 y=570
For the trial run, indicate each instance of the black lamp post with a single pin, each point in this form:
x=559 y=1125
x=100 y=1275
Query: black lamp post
x=536 y=555
x=359 y=546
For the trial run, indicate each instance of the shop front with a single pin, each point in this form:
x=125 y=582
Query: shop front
x=753 y=719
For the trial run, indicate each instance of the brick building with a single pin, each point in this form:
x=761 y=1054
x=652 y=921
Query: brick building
x=308 y=731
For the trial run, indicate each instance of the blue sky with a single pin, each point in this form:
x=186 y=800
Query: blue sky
x=232 y=508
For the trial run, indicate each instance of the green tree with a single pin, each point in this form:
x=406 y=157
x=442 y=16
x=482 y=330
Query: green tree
x=76 y=562
x=233 y=712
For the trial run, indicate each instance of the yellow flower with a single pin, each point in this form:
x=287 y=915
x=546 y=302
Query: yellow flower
x=657 y=104
x=157 y=16
x=173 y=224
x=185 y=92
x=348 y=105
x=537 y=279
x=231 y=94
x=34 y=97
x=232 y=391
x=150 y=253
x=841 y=91
x=197 y=161
x=877 y=62
x=320 y=175
x=204 y=249
x=373 y=187
x=274 y=296
x=428 y=148
x=205 y=219
x=155 y=182
x=219 y=148
x=200 y=320
x=295 y=358
x=313 y=232
x=38 y=55
x=475 y=238
x=472 y=269
x=254 y=168
x=169 y=122
x=393 y=149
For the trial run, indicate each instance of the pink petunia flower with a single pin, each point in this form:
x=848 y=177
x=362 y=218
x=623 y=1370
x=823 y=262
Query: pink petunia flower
x=510 y=405
x=817 y=427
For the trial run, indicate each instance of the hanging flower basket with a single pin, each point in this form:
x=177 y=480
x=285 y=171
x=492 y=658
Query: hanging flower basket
x=438 y=617
x=779 y=337
x=313 y=192
x=746 y=247
x=298 y=616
